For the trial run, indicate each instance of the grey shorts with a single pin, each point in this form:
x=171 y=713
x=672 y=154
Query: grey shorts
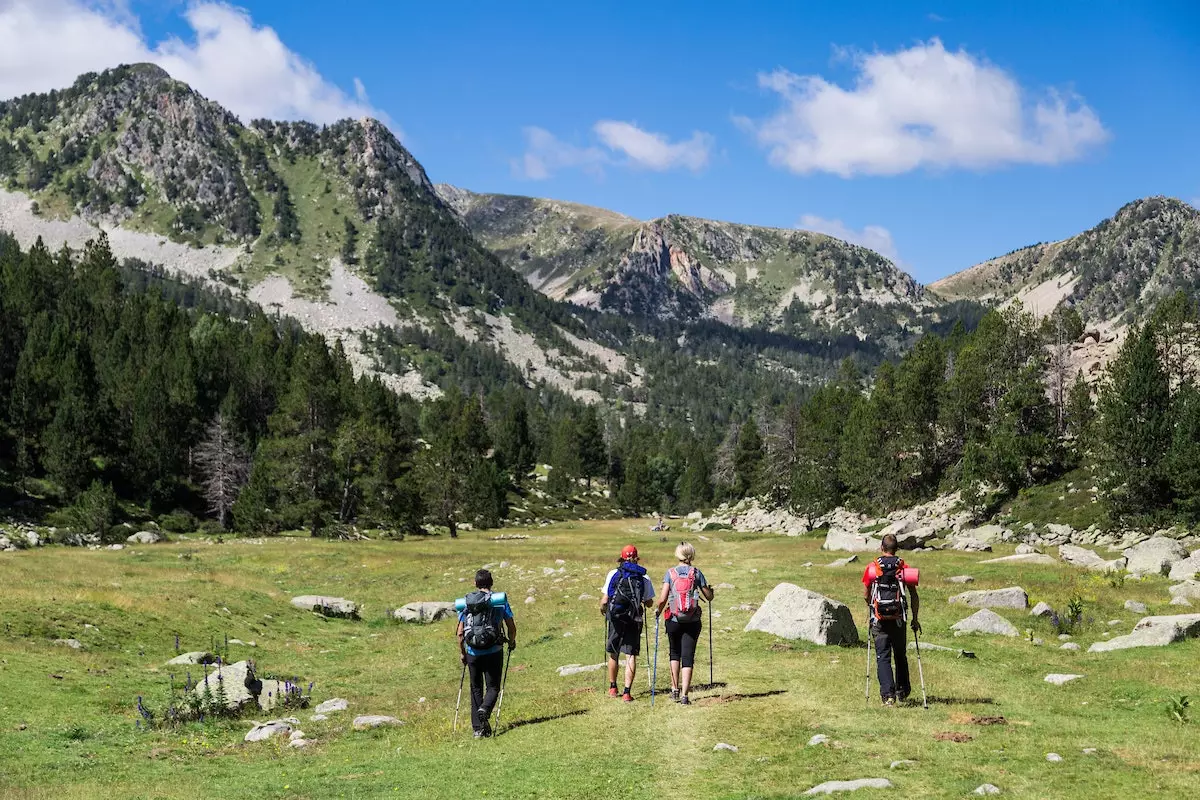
x=624 y=637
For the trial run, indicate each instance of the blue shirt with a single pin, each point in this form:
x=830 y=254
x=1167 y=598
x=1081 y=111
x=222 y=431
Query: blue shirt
x=499 y=614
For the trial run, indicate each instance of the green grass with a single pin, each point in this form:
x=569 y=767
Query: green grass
x=1068 y=500
x=68 y=718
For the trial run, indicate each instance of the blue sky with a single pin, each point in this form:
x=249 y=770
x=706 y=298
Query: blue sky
x=943 y=134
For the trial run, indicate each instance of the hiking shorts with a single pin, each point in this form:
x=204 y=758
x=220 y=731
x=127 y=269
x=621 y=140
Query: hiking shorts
x=624 y=637
x=682 y=638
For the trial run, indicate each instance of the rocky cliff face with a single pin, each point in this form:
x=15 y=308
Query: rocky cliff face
x=688 y=268
x=1114 y=272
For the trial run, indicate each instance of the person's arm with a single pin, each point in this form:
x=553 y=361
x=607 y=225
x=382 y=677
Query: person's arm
x=916 y=608
x=706 y=590
x=662 y=598
x=604 y=598
x=462 y=646
x=512 y=631
x=649 y=601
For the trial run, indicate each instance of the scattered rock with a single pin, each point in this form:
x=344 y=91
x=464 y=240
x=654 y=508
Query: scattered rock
x=1026 y=549
x=1135 y=606
x=1154 y=632
x=530 y=600
x=989 y=534
x=297 y=734
x=197 y=657
x=913 y=539
x=276 y=727
x=723 y=746
x=586 y=597
x=1089 y=751
x=1180 y=600
x=841 y=562
x=575 y=669
x=986 y=621
x=1059 y=678
x=1070 y=646
x=1023 y=558
x=1053 y=757
x=829 y=787
x=146 y=537
x=299 y=744
x=838 y=539
x=332 y=705
x=794 y=613
x=1042 y=610
x=961 y=579
x=318 y=718
x=1010 y=597
x=1186 y=569
x=986 y=789
x=368 y=721
x=1082 y=557
x=74 y=644
x=968 y=545
x=327 y=606
x=237 y=681
x=1189 y=590
x=424 y=612
x=1155 y=556
x=820 y=738
x=903 y=763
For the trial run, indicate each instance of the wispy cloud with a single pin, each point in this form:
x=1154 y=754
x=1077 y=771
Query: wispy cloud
x=924 y=107
x=46 y=44
x=624 y=144
x=874 y=237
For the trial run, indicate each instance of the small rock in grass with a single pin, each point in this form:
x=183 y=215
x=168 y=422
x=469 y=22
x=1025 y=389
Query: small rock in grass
x=829 y=787
x=1042 y=609
x=327 y=606
x=318 y=718
x=1009 y=597
x=575 y=669
x=841 y=562
x=903 y=763
x=1089 y=751
x=987 y=789
x=1053 y=757
x=986 y=621
x=961 y=579
x=299 y=744
x=1038 y=642
x=820 y=738
x=723 y=746
x=74 y=644
x=1064 y=637
x=530 y=600
x=1026 y=549
x=329 y=706
x=1135 y=606
x=197 y=657
x=296 y=734
x=276 y=727
x=1070 y=646
x=369 y=721
x=1058 y=678
x=1112 y=623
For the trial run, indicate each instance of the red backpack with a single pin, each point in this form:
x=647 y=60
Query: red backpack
x=684 y=603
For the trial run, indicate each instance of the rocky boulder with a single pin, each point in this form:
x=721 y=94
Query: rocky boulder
x=794 y=613
x=327 y=606
x=917 y=537
x=368 y=721
x=276 y=727
x=1188 y=590
x=1042 y=610
x=194 y=658
x=1154 y=632
x=985 y=621
x=424 y=612
x=235 y=680
x=332 y=705
x=1186 y=569
x=1040 y=559
x=1088 y=559
x=829 y=787
x=838 y=539
x=1010 y=597
x=146 y=537
x=1155 y=556
x=968 y=544
x=990 y=534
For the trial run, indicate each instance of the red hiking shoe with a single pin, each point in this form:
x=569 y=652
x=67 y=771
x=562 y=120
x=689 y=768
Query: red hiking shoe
x=628 y=698
x=612 y=692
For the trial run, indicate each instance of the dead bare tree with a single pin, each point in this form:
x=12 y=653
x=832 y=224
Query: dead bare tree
x=224 y=467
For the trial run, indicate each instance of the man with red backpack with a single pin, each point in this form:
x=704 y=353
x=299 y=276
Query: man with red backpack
x=887 y=593
x=682 y=588
x=626 y=595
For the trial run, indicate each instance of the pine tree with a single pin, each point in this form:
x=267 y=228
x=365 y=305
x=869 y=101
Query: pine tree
x=593 y=453
x=747 y=459
x=1175 y=321
x=1080 y=417
x=695 y=488
x=1183 y=459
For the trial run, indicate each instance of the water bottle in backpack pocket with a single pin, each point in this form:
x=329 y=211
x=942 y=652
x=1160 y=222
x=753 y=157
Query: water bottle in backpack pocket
x=887 y=591
x=684 y=598
x=481 y=625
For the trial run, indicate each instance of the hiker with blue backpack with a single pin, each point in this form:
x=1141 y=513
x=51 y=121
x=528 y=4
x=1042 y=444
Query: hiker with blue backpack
x=683 y=587
x=888 y=585
x=626 y=595
x=481 y=642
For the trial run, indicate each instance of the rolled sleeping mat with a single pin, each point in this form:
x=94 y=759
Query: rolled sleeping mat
x=498 y=601
x=911 y=576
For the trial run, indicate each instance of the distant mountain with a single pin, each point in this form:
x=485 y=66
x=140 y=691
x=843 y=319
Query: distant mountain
x=1115 y=271
x=688 y=268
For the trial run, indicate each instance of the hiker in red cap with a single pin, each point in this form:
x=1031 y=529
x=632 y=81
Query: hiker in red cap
x=888 y=588
x=626 y=595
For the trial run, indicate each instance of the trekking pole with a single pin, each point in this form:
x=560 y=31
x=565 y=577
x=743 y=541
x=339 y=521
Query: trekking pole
x=654 y=671
x=458 y=702
x=500 y=699
x=920 y=670
x=867 y=693
x=649 y=675
x=710 y=653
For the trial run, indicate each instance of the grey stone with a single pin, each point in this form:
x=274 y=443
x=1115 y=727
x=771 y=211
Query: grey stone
x=1180 y=600
x=820 y=738
x=986 y=789
x=1024 y=558
x=424 y=612
x=990 y=534
x=961 y=579
x=1042 y=609
x=927 y=647
x=1064 y=637
x=318 y=718
x=197 y=657
x=575 y=669
x=1009 y=597
x=276 y=727
x=74 y=644
x=1070 y=646
x=903 y=763
x=299 y=744
x=1155 y=556
x=326 y=606
x=297 y=734
x=1189 y=590
x=967 y=544
x=332 y=705
x=368 y=721
x=1135 y=606
x=842 y=562
x=1088 y=559
x=1154 y=632
x=794 y=613
x=986 y=621
x=1059 y=678
x=914 y=538
x=145 y=537
x=1053 y=757
x=829 y=787
x=1026 y=549
x=233 y=679
x=838 y=539
x=729 y=748
x=1059 y=530
x=1186 y=569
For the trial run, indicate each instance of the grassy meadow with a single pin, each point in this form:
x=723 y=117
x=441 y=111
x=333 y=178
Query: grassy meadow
x=68 y=719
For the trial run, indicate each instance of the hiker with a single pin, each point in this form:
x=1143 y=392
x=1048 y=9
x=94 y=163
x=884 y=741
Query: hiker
x=886 y=595
x=481 y=644
x=682 y=588
x=627 y=593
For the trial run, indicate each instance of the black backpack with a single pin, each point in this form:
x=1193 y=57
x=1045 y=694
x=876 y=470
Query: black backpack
x=887 y=592
x=481 y=626
x=628 y=594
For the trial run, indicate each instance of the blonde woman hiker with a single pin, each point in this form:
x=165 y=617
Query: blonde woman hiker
x=682 y=588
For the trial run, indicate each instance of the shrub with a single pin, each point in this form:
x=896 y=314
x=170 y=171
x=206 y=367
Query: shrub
x=93 y=510
x=717 y=526
x=116 y=534
x=178 y=521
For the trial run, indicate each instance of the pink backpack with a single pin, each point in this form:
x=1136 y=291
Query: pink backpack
x=684 y=602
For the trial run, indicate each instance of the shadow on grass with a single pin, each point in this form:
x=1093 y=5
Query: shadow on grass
x=722 y=699
x=704 y=687
x=961 y=701
x=521 y=723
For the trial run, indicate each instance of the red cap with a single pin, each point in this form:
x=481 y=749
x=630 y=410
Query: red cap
x=629 y=553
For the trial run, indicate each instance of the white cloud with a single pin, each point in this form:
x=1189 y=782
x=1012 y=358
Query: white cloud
x=46 y=44
x=653 y=150
x=921 y=107
x=625 y=144
x=874 y=237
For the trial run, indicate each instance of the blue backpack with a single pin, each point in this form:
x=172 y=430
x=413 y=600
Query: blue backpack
x=627 y=593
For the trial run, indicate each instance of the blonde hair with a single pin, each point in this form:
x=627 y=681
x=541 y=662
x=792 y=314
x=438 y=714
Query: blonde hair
x=685 y=552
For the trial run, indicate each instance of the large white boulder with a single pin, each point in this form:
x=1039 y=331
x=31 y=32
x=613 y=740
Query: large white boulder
x=146 y=537
x=839 y=539
x=1186 y=569
x=985 y=621
x=1155 y=556
x=1154 y=632
x=967 y=544
x=990 y=534
x=276 y=727
x=794 y=613
x=1188 y=590
x=1010 y=597
x=829 y=787
x=915 y=537
x=1089 y=559
x=326 y=606
x=424 y=612
x=232 y=680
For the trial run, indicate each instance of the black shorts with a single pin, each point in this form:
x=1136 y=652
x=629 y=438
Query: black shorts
x=682 y=638
x=624 y=637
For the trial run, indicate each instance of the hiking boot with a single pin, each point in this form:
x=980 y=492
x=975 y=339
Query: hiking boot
x=683 y=701
x=612 y=692
x=902 y=696
x=674 y=695
x=627 y=697
x=889 y=702
x=479 y=734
